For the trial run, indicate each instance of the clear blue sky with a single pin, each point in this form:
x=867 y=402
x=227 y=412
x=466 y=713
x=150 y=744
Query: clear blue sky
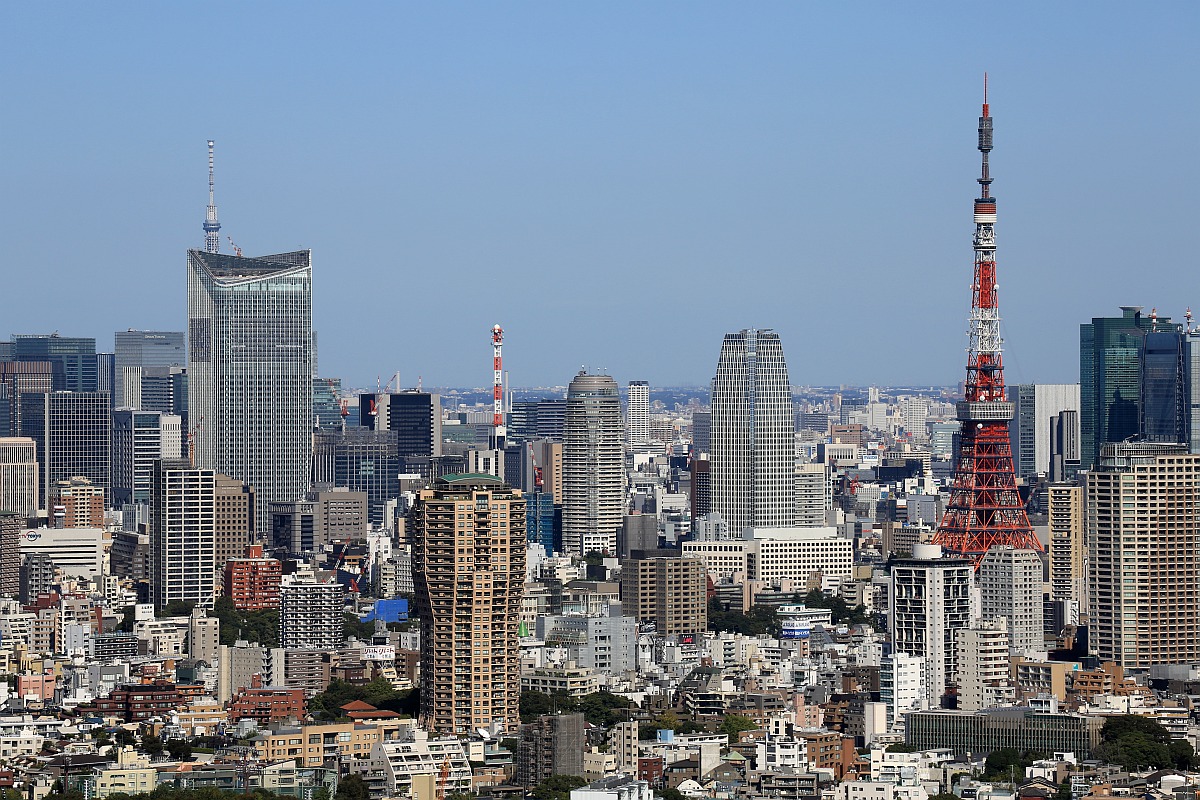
x=616 y=183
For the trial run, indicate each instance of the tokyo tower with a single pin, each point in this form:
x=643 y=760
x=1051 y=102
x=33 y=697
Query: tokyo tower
x=985 y=508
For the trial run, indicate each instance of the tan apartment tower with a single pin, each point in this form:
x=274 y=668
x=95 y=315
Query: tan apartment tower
x=468 y=563
x=1143 y=561
x=1067 y=550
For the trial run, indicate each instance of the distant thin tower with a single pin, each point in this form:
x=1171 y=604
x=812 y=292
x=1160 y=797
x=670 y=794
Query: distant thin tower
x=212 y=228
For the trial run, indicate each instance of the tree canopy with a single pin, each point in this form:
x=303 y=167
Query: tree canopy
x=602 y=708
x=380 y=693
x=733 y=724
x=841 y=612
x=256 y=627
x=757 y=621
x=1137 y=742
x=557 y=787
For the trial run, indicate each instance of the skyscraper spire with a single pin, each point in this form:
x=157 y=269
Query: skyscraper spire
x=985 y=508
x=212 y=228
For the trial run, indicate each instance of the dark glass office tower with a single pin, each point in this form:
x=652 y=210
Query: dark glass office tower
x=360 y=460
x=1110 y=369
x=415 y=417
x=72 y=434
x=135 y=352
x=1164 y=401
x=73 y=359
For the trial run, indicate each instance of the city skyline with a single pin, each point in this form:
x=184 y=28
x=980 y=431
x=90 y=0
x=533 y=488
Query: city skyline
x=586 y=146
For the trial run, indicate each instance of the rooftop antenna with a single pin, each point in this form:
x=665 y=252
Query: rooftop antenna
x=212 y=228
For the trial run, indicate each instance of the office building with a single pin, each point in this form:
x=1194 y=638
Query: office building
x=76 y=503
x=106 y=365
x=307 y=526
x=72 y=434
x=414 y=416
x=812 y=495
x=543 y=521
x=19 y=476
x=72 y=359
x=204 y=636
x=700 y=487
x=253 y=581
x=667 y=591
x=637 y=427
x=1191 y=353
x=361 y=460
x=468 y=563
x=548 y=460
x=931 y=602
x=982 y=656
x=753 y=447
x=1064 y=446
x=1029 y=432
x=1017 y=728
x=182 y=534
x=593 y=466
x=1010 y=588
x=327 y=404
x=1110 y=355
x=10 y=553
x=522 y=421
x=78 y=552
x=139 y=438
x=135 y=350
x=18 y=378
x=234 y=518
x=1067 y=550
x=914 y=412
x=638 y=532
x=701 y=432
x=552 y=419
x=1164 y=402
x=250 y=372
x=311 y=615
x=1143 y=564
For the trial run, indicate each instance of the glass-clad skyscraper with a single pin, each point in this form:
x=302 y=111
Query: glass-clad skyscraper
x=138 y=350
x=250 y=370
x=1164 y=402
x=752 y=437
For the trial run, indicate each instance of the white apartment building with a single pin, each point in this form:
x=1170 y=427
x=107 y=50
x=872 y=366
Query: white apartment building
x=1010 y=588
x=901 y=686
x=931 y=600
x=310 y=615
x=983 y=667
x=183 y=538
x=19 y=475
x=418 y=760
x=812 y=495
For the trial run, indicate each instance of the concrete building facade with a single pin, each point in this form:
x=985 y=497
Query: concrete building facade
x=593 y=490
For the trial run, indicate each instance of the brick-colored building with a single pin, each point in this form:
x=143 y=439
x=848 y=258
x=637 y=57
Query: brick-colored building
x=267 y=704
x=253 y=581
x=140 y=701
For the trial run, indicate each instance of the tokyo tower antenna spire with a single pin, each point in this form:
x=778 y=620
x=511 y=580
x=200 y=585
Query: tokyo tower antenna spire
x=212 y=228
x=985 y=508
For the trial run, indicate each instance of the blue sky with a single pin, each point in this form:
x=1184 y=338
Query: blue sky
x=617 y=183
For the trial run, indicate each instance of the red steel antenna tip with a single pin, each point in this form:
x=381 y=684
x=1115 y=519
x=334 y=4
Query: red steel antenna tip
x=985 y=100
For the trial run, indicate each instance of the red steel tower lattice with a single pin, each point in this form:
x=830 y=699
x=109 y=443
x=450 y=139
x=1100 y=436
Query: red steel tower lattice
x=985 y=508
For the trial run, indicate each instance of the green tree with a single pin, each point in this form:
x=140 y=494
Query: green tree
x=355 y=627
x=557 y=787
x=1137 y=742
x=177 y=608
x=667 y=793
x=840 y=612
x=179 y=750
x=351 y=787
x=151 y=745
x=733 y=724
x=1008 y=764
x=460 y=796
x=124 y=738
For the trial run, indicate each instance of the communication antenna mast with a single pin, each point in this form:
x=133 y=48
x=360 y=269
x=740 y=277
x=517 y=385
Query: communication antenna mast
x=498 y=433
x=212 y=228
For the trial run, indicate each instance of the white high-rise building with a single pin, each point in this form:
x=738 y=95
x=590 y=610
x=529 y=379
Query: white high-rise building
x=140 y=438
x=18 y=475
x=812 y=495
x=250 y=352
x=1010 y=588
x=638 y=420
x=593 y=471
x=931 y=602
x=983 y=668
x=183 y=536
x=915 y=413
x=753 y=447
x=902 y=686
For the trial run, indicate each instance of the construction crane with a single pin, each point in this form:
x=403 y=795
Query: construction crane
x=237 y=251
x=443 y=778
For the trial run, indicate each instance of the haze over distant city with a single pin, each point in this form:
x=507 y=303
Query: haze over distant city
x=617 y=185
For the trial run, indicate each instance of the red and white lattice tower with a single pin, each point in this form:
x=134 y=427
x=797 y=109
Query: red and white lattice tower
x=985 y=508
x=498 y=433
